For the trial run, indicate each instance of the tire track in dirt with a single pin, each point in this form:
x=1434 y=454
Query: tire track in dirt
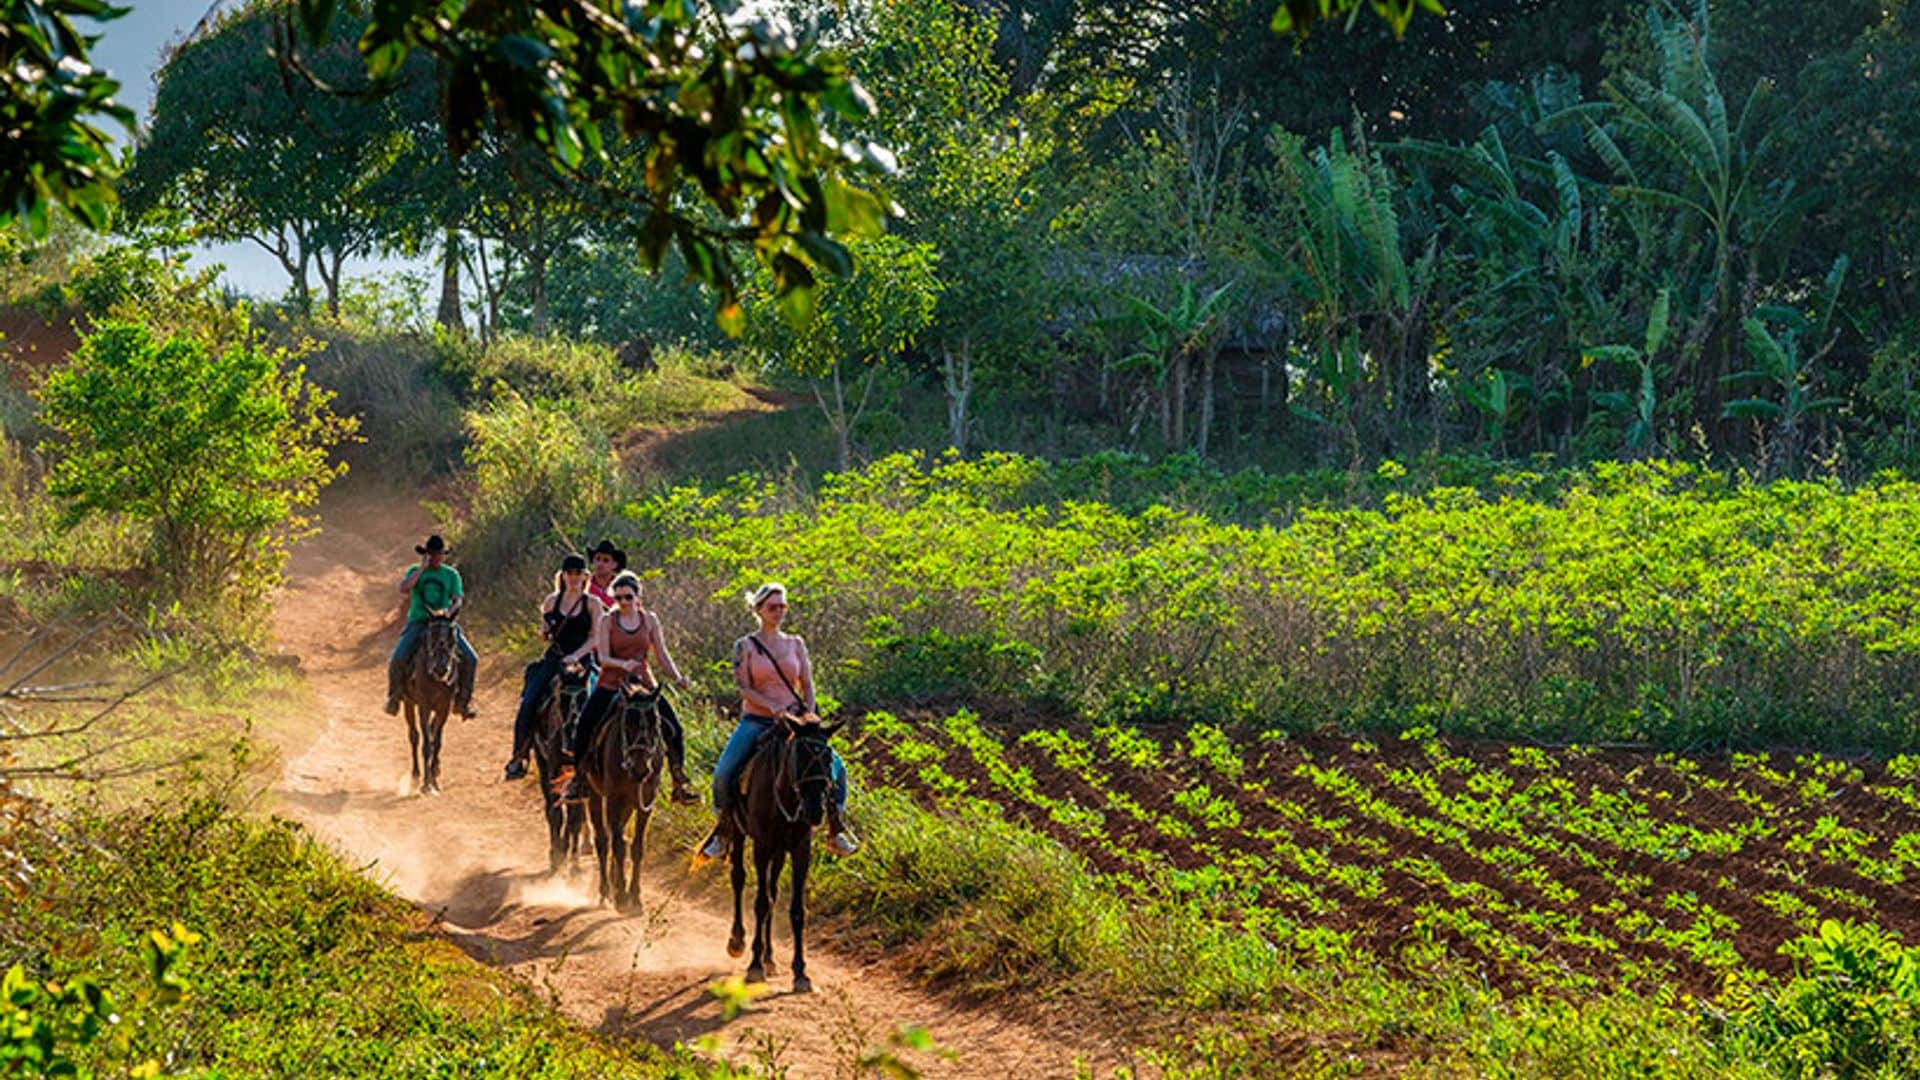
x=476 y=855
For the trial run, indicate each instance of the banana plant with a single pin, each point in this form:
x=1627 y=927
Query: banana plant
x=1169 y=338
x=1637 y=408
x=1500 y=397
x=1696 y=178
x=1779 y=367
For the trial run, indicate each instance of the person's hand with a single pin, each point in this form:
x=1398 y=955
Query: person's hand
x=683 y=682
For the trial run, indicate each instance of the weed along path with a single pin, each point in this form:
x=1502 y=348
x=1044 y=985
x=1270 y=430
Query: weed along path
x=475 y=856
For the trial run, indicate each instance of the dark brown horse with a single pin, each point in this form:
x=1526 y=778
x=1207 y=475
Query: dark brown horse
x=428 y=696
x=787 y=786
x=565 y=695
x=623 y=768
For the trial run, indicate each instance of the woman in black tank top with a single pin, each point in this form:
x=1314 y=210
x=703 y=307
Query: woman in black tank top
x=567 y=619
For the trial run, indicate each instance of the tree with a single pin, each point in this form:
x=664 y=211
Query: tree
x=53 y=101
x=969 y=184
x=218 y=450
x=863 y=320
x=729 y=106
x=251 y=156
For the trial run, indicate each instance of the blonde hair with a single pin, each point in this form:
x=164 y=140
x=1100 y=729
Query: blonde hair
x=761 y=595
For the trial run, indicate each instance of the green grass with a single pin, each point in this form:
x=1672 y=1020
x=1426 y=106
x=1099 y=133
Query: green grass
x=306 y=968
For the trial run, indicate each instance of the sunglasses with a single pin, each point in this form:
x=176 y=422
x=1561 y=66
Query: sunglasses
x=774 y=606
x=626 y=596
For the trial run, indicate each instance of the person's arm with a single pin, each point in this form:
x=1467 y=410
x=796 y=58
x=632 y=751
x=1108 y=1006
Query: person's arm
x=603 y=647
x=749 y=697
x=459 y=594
x=660 y=649
x=805 y=681
x=412 y=575
x=596 y=614
x=547 y=606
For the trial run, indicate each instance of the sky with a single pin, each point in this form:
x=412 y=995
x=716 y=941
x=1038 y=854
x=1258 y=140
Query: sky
x=131 y=47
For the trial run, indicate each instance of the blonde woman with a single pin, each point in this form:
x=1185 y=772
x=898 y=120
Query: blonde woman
x=568 y=617
x=625 y=640
x=774 y=674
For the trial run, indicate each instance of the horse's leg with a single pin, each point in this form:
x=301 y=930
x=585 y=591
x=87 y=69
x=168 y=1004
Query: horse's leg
x=737 y=941
x=413 y=742
x=619 y=808
x=797 y=912
x=772 y=902
x=436 y=730
x=597 y=813
x=762 y=913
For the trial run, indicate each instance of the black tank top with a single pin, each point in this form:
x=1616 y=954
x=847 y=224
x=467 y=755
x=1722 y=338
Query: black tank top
x=565 y=633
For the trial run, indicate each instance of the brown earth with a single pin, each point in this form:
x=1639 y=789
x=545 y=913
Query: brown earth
x=476 y=857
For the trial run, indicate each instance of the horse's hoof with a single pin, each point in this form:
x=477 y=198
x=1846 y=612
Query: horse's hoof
x=802 y=984
x=756 y=974
x=736 y=947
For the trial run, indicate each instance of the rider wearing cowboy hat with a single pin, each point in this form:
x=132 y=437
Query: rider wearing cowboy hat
x=431 y=585
x=608 y=562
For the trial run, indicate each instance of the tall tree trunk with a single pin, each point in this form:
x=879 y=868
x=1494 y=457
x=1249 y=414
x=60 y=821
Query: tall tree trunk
x=449 y=314
x=537 y=275
x=330 y=261
x=1206 y=397
x=959 y=373
x=1178 y=389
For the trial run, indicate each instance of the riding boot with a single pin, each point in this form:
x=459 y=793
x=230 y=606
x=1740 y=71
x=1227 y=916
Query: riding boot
x=718 y=842
x=843 y=842
x=463 y=690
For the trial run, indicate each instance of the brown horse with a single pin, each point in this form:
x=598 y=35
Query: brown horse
x=565 y=695
x=623 y=768
x=787 y=785
x=428 y=696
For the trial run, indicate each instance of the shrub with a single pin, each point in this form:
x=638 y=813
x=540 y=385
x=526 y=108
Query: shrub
x=1853 y=1011
x=1648 y=602
x=216 y=451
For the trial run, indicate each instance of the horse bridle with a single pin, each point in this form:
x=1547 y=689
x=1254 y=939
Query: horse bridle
x=630 y=703
x=790 y=777
x=441 y=662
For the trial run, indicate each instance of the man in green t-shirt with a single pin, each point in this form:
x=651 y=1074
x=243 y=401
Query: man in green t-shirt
x=431 y=585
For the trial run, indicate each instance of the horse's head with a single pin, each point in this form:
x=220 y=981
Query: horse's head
x=439 y=647
x=810 y=764
x=640 y=728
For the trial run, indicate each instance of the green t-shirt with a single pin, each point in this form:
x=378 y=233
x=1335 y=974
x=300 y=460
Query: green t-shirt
x=433 y=590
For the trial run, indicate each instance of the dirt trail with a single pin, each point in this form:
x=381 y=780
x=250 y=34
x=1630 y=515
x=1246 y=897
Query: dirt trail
x=477 y=853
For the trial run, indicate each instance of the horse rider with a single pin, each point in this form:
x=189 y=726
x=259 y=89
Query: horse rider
x=761 y=662
x=607 y=562
x=431 y=585
x=624 y=640
x=568 y=617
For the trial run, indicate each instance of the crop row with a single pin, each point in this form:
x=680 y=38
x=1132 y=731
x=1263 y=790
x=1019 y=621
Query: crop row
x=1534 y=867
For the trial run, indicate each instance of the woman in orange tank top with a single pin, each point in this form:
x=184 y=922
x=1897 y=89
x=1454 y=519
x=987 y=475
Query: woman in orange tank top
x=626 y=639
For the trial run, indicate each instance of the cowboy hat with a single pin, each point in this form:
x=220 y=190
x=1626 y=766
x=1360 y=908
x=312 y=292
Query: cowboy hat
x=435 y=545
x=606 y=548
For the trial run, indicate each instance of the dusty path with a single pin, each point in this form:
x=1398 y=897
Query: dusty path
x=477 y=853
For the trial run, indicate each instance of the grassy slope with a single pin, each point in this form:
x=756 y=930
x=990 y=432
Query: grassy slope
x=306 y=968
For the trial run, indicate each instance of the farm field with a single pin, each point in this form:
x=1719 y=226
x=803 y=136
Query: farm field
x=1565 y=870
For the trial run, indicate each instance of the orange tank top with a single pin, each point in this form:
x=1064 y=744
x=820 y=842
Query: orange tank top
x=627 y=644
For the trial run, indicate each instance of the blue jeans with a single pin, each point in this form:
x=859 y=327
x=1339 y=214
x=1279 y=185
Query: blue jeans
x=726 y=771
x=403 y=655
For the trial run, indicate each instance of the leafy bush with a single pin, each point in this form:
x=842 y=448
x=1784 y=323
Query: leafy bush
x=535 y=472
x=217 y=451
x=409 y=417
x=1649 y=602
x=587 y=381
x=1854 y=1011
